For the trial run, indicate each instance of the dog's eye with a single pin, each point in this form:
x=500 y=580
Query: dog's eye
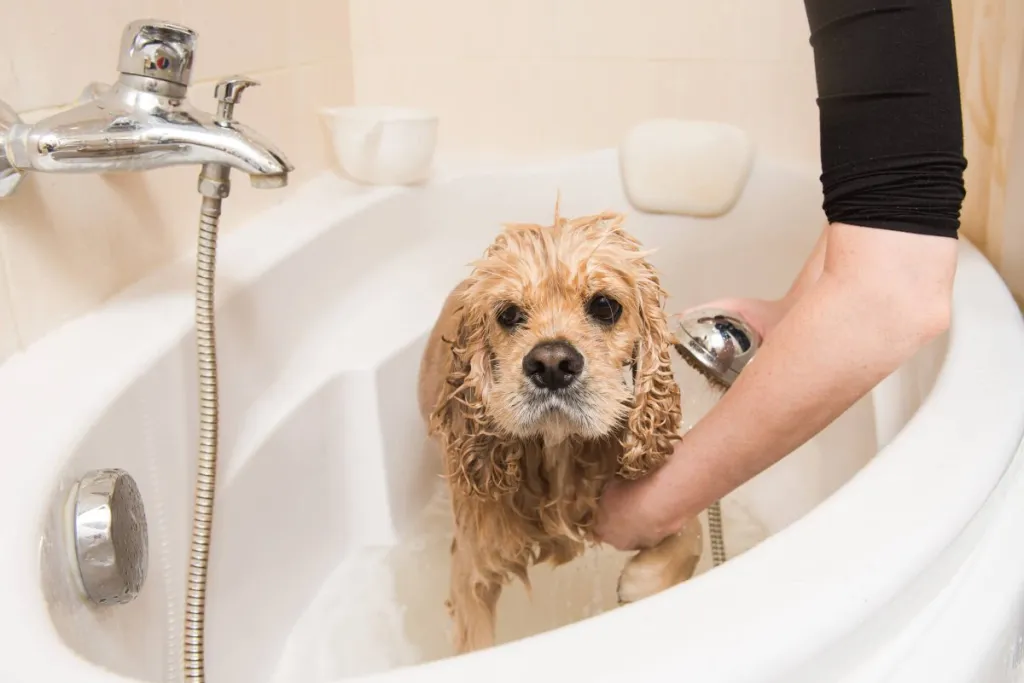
x=511 y=316
x=604 y=309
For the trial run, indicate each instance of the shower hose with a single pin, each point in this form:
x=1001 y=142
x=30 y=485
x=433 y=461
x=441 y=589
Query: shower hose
x=214 y=185
x=716 y=534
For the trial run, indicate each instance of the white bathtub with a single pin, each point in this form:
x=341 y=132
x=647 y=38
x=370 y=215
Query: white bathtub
x=895 y=547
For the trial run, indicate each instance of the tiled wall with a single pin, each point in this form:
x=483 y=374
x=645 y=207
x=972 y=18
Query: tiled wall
x=547 y=76
x=1012 y=247
x=534 y=75
x=69 y=242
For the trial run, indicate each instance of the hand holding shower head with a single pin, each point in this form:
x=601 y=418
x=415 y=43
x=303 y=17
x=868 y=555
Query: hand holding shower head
x=717 y=343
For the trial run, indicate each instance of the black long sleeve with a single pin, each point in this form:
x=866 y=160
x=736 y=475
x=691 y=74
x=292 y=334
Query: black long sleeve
x=889 y=109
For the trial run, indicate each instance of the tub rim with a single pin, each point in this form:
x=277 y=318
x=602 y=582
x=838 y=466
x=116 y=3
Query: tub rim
x=983 y=308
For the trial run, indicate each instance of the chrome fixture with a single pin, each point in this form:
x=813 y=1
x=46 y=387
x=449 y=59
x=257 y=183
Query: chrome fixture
x=718 y=343
x=143 y=121
x=110 y=536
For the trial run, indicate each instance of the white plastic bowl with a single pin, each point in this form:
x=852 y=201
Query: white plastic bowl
x=383 y=145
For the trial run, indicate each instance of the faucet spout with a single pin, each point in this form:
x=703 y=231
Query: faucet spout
x=126 y=129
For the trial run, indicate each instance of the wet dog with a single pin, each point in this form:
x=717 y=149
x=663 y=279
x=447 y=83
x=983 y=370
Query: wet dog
x=547 y=374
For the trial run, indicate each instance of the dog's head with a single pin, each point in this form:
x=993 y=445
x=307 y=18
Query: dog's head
x=560 y=333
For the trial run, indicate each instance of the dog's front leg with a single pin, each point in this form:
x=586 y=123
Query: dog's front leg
x=672 y=561
x=473 y=600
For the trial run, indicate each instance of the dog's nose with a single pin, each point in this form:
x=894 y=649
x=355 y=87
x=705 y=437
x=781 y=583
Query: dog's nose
x=553 y=364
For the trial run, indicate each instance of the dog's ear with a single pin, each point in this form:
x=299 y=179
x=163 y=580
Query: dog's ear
x=478 y=461
x=653 y=422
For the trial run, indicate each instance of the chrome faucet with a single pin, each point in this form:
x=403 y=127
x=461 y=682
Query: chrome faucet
x=143 y=121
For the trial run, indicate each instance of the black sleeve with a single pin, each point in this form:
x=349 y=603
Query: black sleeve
x=889 y=109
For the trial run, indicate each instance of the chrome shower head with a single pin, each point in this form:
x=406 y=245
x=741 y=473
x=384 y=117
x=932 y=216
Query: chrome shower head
x=717 y=343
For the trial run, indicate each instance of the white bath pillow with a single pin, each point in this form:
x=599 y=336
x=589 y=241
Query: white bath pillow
x=698 y=168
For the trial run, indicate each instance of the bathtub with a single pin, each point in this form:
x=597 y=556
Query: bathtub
x=888 y=548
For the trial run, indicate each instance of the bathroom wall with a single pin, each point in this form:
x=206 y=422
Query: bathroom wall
x=990 y=42
x=1012 y=225
x=538 y=77
x=69 y=242
x=544 y=76
x=513 y=77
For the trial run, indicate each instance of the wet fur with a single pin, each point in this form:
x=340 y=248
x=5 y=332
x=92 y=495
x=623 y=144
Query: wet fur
x=525 y=481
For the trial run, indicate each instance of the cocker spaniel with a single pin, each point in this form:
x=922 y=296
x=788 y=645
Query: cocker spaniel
x=548 y=373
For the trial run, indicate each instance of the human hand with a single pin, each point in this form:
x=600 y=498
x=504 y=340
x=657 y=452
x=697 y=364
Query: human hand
x=761 y=314
x=635 y=514
x=628 y=517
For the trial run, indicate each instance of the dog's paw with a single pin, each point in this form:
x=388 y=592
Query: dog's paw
x=670 y=562
x=639 y=579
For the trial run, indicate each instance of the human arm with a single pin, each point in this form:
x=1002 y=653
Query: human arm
x=880 y=297
x=891 y=146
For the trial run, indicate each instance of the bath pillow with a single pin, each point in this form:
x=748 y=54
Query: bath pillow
x=697 y=168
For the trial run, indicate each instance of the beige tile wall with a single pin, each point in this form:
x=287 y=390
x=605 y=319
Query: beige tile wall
x=69 y=242
x=534 y=77
x=538 y=75
x=545 y=76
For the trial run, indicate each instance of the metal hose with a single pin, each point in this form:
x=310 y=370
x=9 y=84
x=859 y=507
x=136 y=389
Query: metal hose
x=213 y=180
x=716 y=534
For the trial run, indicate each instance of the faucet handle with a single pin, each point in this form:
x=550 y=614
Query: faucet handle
x=230 y=89
x=158 y=49
x=229 y=93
